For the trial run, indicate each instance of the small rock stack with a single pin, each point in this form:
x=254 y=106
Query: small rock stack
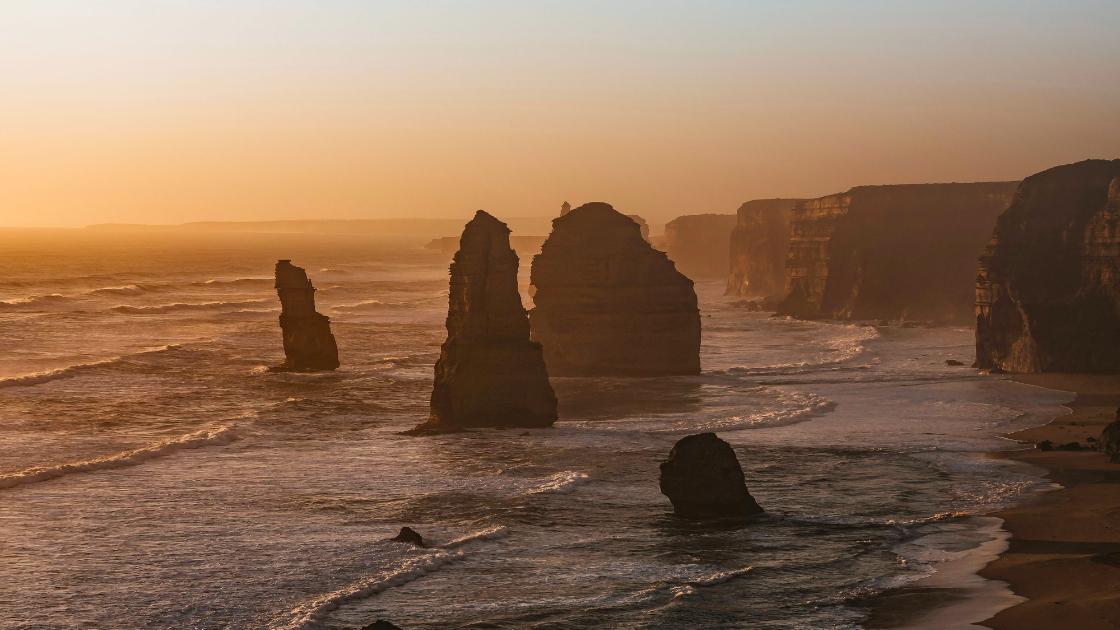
x=308 y=342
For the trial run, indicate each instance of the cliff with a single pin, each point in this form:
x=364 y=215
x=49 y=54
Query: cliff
x=758 y=246
x=698 y=244
x=1048 y=288
x=607 y=303
x=489 y=374
x=308 y=342
x=890 y=252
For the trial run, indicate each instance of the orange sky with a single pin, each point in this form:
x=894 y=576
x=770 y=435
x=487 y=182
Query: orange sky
x=164 y=112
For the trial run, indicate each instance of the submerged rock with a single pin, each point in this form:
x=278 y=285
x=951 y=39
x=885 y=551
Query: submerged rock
x=308 y=342
x=703 y=479
x=1048 y=288
x=905 y=252
x=489 y=374
x=410 y=536
x=607 y=303
x=757 y=248
x=698 y=244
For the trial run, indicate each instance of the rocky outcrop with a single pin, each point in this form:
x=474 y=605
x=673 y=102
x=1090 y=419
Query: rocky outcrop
x=698 y=244
x=1048 y=288
x=409 y=536
x=758 y=246
x=703 y=479
x=1110 y=441
x=308 y=342
x=607 y=303
x=890 y=252
x=489 y=374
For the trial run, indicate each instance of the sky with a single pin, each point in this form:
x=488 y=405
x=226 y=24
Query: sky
x=159 y=111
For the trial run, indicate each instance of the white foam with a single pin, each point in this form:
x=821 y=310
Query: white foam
x=69 y=371
x=34 y=300
x=795 y=407
x=216 y=436
x=719 y=577
x=561 y=483
x=183 y=306
x=840 y=350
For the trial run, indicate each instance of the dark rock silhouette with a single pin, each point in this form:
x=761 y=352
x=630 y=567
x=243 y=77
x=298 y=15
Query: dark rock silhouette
x=410 y=536
x=758 y=246
x=381 y=624
x=703 y=479
x=308 y=342
x=489 y=374
x=1110 y=442
x=565 y=208
x=890 y=252
x=698 y=244
x=607 y=303
x=1048 y=288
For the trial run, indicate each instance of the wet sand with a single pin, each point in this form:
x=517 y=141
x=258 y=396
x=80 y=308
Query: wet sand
x=1064 y=553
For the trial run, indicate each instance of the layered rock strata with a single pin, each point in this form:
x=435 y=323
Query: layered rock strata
x=1048 y=288
x=308 y=342
x=698 y=244
x=489 y=374
x=703 y=479
x=607 y=303
x=757 y=248
x=903 y=252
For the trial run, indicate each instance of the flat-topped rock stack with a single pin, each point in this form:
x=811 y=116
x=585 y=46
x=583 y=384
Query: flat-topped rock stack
x=891 y=252
x=758 y=246
x=489 y=374
x=607 y=303
x=698 y=244
x=308 y=342
x=1048 y=288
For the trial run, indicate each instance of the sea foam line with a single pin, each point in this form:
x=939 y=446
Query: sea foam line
x=69 y=371
x=312 y=614
x=561 y=483
x=217 y=436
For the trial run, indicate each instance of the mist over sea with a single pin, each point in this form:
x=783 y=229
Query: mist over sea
x=154 y=473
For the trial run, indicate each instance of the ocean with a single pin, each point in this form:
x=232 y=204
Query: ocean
x=155 y=474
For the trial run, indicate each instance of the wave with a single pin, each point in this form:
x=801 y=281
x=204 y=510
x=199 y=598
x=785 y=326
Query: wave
x=218 y=436
x=367 y=305
x=840 y=350
x=561 y=483
x=70 y=371
x=182 y=306
x=719 y=577
x=313 y=613
x=33 y=301
x=234 y=282
x=127 y=289
x=794 y=407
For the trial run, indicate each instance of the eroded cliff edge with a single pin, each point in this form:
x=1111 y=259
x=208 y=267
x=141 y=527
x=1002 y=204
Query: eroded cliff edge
x=757 y=248
x=698 y=244
x=489 y=374
x=1048 y=288
x=891 y=252
x=308 y=342
x=607 y=303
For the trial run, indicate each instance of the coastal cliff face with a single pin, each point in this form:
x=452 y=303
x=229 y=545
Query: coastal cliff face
x=758 y=246
x=890 y=252
x=489 y=374
x=698 y=244
x=607 y=303
x=1048 y=288
x=308 y=342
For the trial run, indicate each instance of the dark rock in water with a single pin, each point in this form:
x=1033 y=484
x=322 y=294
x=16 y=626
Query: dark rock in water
x=757 y=248
x=1045 y=445
x=489 y=374
x=703 y=479
x=698 y=244
x=607 y=303
x=410 y=536
x=1048 y=289
x=1110 y=442
x=1069 y=446
x=308 y=342
x=891 y=252
x=953 y=363
x=381 y=624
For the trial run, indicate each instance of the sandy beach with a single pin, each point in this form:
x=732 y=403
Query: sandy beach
x=1064 y=553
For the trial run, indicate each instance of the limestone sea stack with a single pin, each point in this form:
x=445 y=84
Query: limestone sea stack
x=703 y=479
x=1048 y=288
x=698 y=244
x=607 y=303
x=308 y=342
x=757 y=249
x=489 y=374
x=903 y=252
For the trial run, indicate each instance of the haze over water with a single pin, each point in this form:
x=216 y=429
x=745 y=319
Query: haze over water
x=153 y=473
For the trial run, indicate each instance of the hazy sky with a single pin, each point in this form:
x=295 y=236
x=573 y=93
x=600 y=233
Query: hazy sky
x=161 y=111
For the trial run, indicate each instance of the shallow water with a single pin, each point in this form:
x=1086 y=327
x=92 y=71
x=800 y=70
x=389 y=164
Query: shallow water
x=153 y=473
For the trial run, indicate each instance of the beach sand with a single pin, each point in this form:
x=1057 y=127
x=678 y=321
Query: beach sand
x=1064 y=553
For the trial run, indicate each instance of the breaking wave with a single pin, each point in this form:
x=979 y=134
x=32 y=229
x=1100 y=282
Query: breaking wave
x=218 y=436
x=33 y=301
x=840 y=350
x=76 y=369
x=127 y=289
x=182 y=306
x=561 y=483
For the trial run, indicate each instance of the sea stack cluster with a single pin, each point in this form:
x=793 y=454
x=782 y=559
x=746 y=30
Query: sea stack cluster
x=308 y=342
x=890 y=252
x=757 y=246
x=703 y=479
x=698 y=244
x=1048 y=288
x=607 y=303
x=489 y=374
